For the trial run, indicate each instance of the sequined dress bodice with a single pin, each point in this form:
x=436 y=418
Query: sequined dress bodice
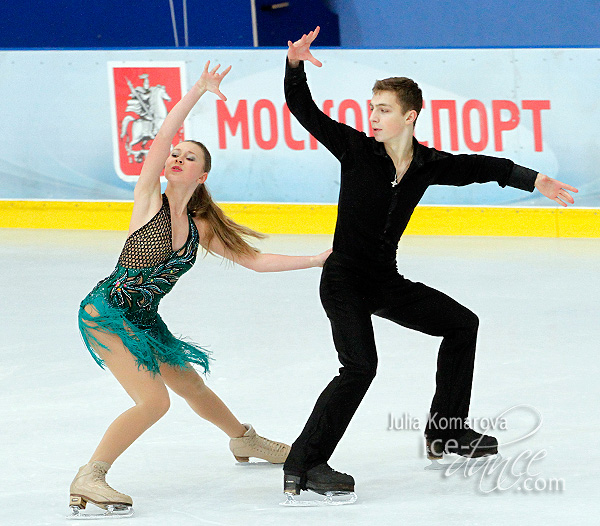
x=148 y=268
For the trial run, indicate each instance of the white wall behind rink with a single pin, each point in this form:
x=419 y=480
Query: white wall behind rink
x=538 y=107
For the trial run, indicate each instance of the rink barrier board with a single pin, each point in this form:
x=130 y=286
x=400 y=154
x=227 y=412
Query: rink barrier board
x=274 y=218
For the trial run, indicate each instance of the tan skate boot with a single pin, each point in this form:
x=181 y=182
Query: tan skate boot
x=90 y=485
x=253 y=445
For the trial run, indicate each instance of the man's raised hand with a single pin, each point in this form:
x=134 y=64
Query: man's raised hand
x=300 y=50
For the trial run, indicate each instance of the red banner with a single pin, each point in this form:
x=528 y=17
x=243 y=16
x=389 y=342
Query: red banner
x=142 y=97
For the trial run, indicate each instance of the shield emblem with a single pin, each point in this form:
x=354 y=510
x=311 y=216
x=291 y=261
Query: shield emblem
x=142 y=93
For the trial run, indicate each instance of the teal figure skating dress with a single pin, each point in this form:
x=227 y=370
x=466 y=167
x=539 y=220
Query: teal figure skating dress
x=127 y=301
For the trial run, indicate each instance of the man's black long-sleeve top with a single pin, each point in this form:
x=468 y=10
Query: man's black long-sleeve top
x=373 y=214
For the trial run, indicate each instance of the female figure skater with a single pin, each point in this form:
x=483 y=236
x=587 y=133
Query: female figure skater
x=119 y=320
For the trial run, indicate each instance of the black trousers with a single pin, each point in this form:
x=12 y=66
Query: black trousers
x=351 y=293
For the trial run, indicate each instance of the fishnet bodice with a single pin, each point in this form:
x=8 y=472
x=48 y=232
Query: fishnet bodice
x=148 y=268
x=150 y=244
x=127 y=300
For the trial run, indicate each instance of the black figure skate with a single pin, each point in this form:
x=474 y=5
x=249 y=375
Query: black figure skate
x=471 y=444
x=336 y=487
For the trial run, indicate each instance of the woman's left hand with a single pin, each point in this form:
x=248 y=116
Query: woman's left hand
x=211 y=80
x=320 y=259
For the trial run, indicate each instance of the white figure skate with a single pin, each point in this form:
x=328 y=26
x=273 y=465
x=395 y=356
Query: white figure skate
x=253 y=445
x=90 y=485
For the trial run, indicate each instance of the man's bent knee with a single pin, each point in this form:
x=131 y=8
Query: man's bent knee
x=361 y=375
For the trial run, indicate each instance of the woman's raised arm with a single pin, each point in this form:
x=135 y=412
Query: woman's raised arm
x=147 y=189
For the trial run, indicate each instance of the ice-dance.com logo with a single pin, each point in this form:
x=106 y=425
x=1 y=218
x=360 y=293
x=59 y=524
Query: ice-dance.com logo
x=517 y=470
x=517 y=473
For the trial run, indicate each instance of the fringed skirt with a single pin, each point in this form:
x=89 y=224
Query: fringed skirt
x=151 y=343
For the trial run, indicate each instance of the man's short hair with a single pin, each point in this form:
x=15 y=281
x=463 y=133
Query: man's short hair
x=407 y=91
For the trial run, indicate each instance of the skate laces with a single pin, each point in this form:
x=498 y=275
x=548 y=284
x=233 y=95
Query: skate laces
x=269 y=445
x=99 y=474
x=99 y=477
x=329 y=468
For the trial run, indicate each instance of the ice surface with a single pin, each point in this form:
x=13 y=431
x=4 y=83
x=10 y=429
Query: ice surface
x=538 y=304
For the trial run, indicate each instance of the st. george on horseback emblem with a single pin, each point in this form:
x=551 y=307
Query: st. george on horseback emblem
x=142 y=95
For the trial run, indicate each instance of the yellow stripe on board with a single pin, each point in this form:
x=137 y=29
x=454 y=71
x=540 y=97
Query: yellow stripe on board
x=319 y=219
x=87 y=215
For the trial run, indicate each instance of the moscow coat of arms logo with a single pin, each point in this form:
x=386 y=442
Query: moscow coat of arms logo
x=142 y=93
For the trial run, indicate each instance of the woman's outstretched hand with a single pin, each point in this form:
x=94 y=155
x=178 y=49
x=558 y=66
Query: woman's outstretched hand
x=211 y=80
x=320 y=259
x=300 y=50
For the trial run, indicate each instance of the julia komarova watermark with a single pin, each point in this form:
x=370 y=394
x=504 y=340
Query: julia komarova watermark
x=406 y=422
x=516 y=470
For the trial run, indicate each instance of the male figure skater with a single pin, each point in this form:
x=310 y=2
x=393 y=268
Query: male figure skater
x=382 y=180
